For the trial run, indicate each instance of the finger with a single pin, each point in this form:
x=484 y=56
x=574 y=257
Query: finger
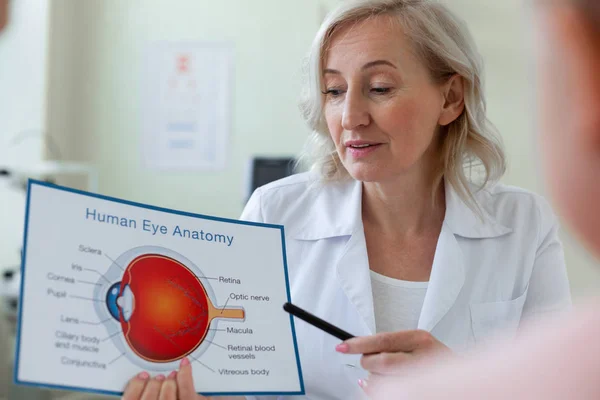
x=153 y=388
x=386 y=342
x=381 y=387
x=135 y=387
x=364 y=384
x=185 y=381
x=168 y=390
x=385 y=363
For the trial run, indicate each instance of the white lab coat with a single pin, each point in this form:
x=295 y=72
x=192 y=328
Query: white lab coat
x=487 y=275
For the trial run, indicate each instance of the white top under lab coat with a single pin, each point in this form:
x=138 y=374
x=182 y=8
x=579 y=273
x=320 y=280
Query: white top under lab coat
x=487 y=274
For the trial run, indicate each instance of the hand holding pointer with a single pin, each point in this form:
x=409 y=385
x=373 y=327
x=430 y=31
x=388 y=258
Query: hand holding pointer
x=384 y=353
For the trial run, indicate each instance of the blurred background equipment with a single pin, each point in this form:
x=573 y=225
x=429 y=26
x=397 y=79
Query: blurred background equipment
x=263 y=170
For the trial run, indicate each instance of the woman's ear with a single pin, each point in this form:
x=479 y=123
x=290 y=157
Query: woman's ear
x=454 y=100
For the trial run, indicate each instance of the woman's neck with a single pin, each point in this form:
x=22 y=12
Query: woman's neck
x=404 y=206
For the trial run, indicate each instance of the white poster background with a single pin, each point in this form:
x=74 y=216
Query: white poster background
x=186 y=102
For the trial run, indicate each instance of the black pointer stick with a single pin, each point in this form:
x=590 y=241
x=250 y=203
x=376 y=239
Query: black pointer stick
x=317 y=322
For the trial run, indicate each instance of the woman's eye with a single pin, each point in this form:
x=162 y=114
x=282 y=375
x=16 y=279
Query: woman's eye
x=380 y=90
x=333 y=92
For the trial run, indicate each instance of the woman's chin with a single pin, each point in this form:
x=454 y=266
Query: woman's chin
x=366 y=174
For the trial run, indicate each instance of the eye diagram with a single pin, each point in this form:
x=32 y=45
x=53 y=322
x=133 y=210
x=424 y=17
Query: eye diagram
x=162 y=306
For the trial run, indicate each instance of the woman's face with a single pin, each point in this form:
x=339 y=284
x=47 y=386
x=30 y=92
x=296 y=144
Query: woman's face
x=381 y=105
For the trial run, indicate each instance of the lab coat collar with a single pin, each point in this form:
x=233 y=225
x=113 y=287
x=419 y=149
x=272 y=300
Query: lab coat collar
x=336 y=210
x=464 y=221
x=445 y=282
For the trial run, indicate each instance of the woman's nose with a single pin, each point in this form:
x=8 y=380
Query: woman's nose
x=355 y=113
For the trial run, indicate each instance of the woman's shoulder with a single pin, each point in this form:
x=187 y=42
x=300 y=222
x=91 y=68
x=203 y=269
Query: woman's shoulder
x=516 y=207
x=286 y=192
x=292 y=198
x=501 y=197
x=288 y=186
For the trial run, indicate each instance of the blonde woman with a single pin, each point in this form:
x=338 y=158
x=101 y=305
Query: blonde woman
x=559 y=358
x=390 y=236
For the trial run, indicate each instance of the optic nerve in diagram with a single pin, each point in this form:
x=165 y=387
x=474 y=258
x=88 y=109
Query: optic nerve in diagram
x=157 y=307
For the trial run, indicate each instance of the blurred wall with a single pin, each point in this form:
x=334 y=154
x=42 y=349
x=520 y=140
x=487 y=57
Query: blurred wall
x=94 y=99
x=23 y=61
x=96 y=68
x=23 y=80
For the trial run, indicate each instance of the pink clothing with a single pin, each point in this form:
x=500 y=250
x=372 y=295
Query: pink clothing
x=556 y=359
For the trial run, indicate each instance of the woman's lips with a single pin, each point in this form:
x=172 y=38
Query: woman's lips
x=361 y=149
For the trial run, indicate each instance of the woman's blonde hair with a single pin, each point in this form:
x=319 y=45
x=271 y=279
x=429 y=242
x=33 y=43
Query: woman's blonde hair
x=446 y=47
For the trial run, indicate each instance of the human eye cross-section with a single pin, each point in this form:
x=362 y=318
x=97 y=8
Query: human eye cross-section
x=164 y=310
x=161 y=306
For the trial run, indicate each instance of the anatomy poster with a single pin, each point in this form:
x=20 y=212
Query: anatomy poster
x=112 y=288
x=186 y=99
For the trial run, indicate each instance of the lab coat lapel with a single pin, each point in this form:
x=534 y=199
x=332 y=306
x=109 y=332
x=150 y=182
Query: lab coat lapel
x=353 y=273
x=446 y=280
x=336 y=214
x=448 y=270
x=353 y=265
